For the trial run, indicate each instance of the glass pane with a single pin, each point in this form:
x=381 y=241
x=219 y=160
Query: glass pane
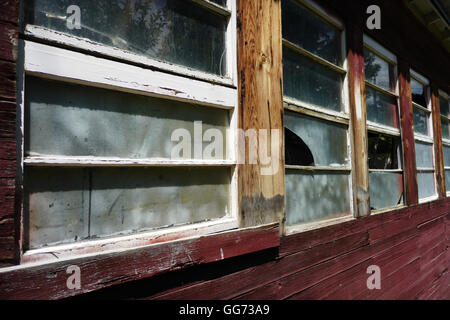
x=316 y=196
x=420 y=121
x=377 y=70
x=381 y=108
x=445 y=129
x=444 y=106
x=74 y=120
x=425 y=184
x=424 y=155
x=447 y=180
x=304 y=28
x=386 y=190
x=418 y=93
x=222 y=3
x=175 y=31
x=384 y=151
x=326 y=141
x=69 y=205
x=446 y=151
x=311 y=82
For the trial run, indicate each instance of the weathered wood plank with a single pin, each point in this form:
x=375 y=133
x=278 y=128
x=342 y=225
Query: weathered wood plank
x=8 y=41
x=437 y=136
x=48 y=281
x=407 y=124
x=9 y=11
x=260 y=92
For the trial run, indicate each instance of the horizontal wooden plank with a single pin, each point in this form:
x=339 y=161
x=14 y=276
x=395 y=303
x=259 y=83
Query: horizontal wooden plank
x=48 y=281
x=9 y=11
x=8 y=168
x=8 y=41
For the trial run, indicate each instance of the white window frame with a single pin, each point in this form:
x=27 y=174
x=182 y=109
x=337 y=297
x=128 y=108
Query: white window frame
x=425 y=139
x=342 y=117
x=378 y=128
x=130 y=73
x=445 y=142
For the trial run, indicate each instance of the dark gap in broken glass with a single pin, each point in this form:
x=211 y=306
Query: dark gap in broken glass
x=296 y=150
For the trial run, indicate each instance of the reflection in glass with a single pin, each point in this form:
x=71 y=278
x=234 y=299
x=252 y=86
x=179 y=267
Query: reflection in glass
x=446 y=151
x=174 y=31
x=424 y=155
x=311 y=82
x=418 y=93
x=99 y=202
x=420 y=121
x=378 y=71
x=384 y=151
x=445 y=129
x=305 y=29
x=444 y=106
x=381 y=108
x=75 y=120
x=425 y=184
x=316 y=196
x=326 y=140
x=386 y=190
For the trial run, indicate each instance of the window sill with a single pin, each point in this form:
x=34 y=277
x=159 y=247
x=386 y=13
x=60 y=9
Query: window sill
x=97 y=271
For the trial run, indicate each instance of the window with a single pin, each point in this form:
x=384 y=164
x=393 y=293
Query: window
x=423 y=135
x=444 y=106
x=384 y=140
x=317 y=148
x=100 y=129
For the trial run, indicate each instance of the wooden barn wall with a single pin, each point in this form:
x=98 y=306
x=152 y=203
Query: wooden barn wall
x=410 y=245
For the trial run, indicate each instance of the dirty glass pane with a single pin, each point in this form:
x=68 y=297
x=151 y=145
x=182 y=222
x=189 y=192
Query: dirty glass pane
x=75 y=120
x=175 y=31
x=420 y=121
x=307 y=30
x=311 y=82
x=68 y=205
x=377 y=70
x=384 y=151
x=424 y=155
x=446 y=151
x=444 y=106
x=418 y=93
x=381 y=108
x=316 y=196
x=425 y=184
x=445 y=129
x=447 y=180
x=386 y=190
x=327 y=141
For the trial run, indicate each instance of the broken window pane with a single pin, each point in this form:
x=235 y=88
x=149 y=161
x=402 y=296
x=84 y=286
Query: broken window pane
x=424 y=155
x=305 y=29
x=378 y=71
x=311 y=82
x=72 y=204
x=418 y=93
x=74 y=120
x=386 y=190
x=176 y=31
x=420 y=121
x=327 y=141
x=381 y=108
x=316 y=196
x=384 y=151
x=425 y=184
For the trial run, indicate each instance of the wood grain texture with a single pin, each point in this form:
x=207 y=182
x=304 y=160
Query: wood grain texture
x=437 y=135
x=407 y=128
x=260 y=92
x=357 y=94
x=48 y=281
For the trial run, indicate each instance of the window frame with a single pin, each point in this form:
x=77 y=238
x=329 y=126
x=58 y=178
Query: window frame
x=111 y=68
x=377 y=128
x=445 y=142
x=425 y=139
x=322 y=114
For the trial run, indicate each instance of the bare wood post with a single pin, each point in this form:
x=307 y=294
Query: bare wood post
x=437 y=134
x=359 y=116
x=407 y=126
x=260 y=92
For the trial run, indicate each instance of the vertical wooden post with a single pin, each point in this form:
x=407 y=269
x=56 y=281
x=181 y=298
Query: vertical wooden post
x=407 y=131
x=437 y=135
x=260 y=92
x=357 y=92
